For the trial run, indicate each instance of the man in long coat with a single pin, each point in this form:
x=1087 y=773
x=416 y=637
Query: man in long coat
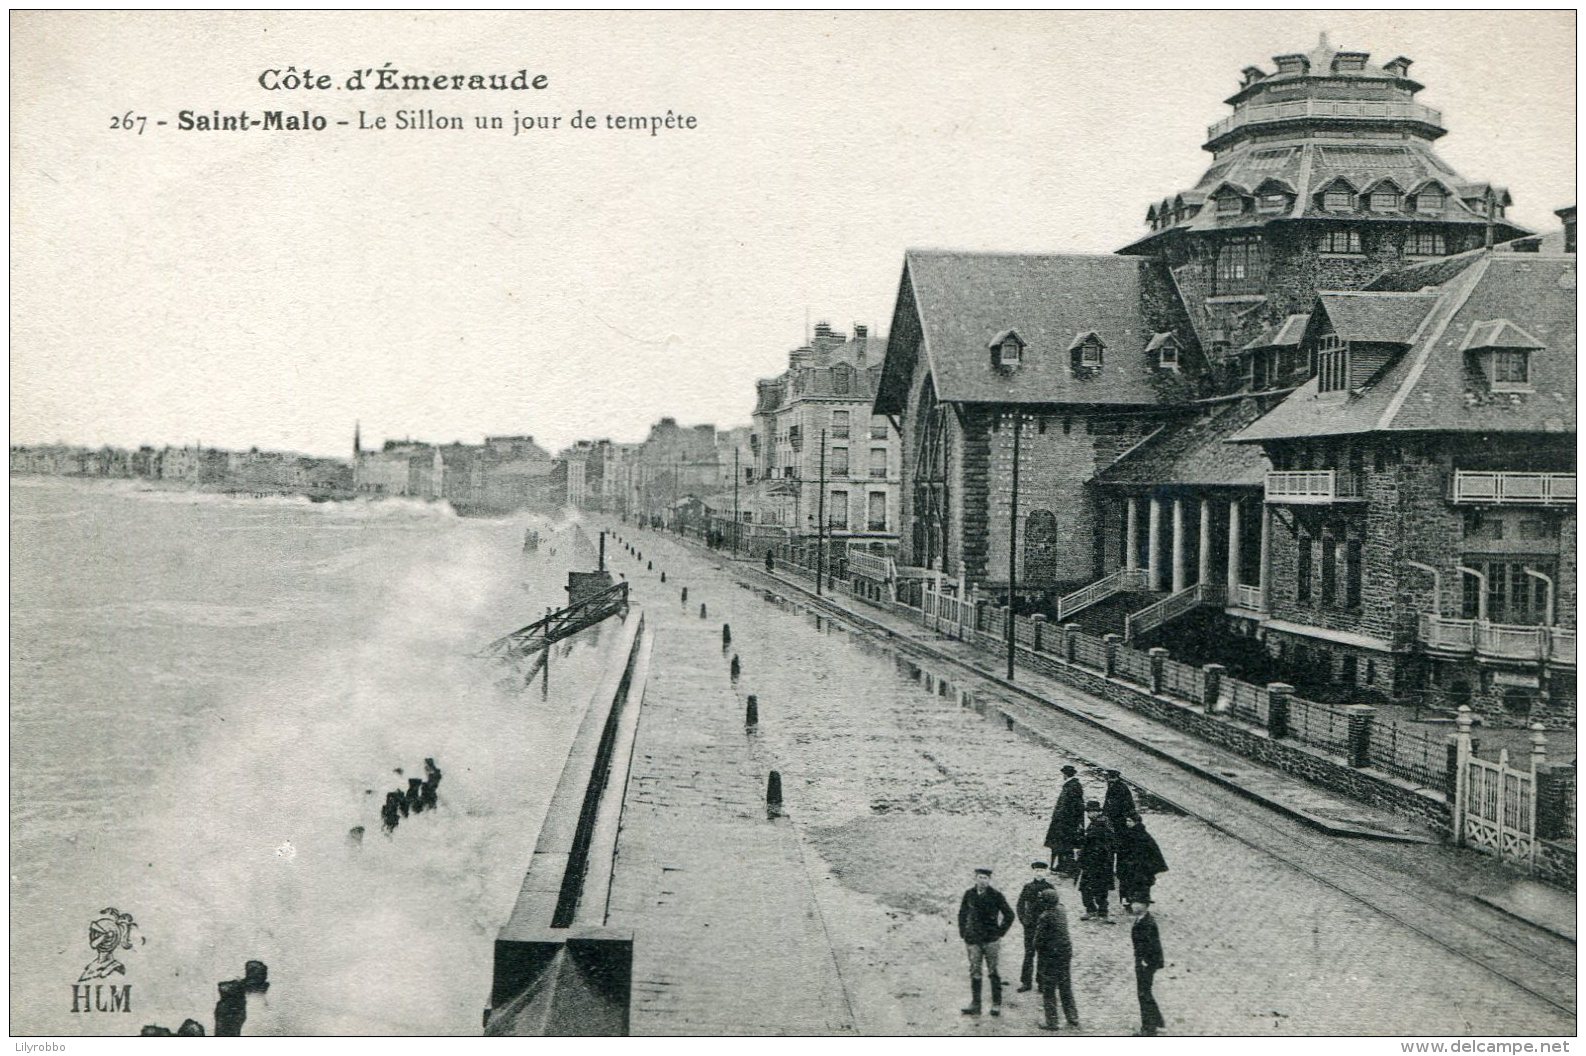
x=1148 y=960
x=1067 y=824
x=1096 y=863
x=1118 y=803
x=1139 y=861
x=1054 y=954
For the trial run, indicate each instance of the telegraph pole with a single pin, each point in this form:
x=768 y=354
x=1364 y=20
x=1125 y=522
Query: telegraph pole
x=735 y=520
x=1013 y=541
x=820 y=522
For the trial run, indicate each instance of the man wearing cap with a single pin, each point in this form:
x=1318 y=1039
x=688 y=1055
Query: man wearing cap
x=1068 y=821
x=984 y=917
x=1054 y=952
x=1119 y=801
x=1147 y=960
x=1096 y=863
x=1028 y=910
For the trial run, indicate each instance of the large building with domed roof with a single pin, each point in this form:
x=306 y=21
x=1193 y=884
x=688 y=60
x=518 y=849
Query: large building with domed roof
x=1324 y=175
x=1317 y=423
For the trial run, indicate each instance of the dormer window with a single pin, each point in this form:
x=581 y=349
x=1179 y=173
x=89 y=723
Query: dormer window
x=1274 y=203
x=1504 y=352
x=1384 y=200
x=1511 y=369
x=1338 y=200
x=1086 y=351
x=1429 y=201
x=1230 y=204
x=1332 y=364
x=1166 y=349
x=1007 y=349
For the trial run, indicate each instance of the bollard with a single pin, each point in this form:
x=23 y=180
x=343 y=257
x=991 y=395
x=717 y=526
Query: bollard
x=726 y=636
x=735 y=668
x=663 y=577
x=773 y=795
x=751 y=715
x=1109 y=665
x=685 y=595
x=649 y=566
x=1158 y=657
x=702 y=610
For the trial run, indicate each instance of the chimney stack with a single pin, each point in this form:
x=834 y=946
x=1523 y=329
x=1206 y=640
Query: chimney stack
x=861 y=340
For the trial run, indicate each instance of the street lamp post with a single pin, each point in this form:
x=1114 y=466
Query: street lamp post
x=736 y=521
x=820 y=522
x=1013 y=542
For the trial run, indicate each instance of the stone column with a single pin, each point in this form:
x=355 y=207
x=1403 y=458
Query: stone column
x=1233 y=550
x=1153 y=546
x=1158 y=656
x=1360 y=717
x=1278 y=694
x=1131 y=543
x=1178 y=546
x=1266 y=527
x=1038 y=622
x=1205 y=572
x=1110 y=664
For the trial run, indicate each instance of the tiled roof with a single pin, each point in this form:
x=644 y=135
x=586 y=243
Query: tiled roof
x=1388 y=318
x=1435 y=386
x=1195 y=451
x=959 y=301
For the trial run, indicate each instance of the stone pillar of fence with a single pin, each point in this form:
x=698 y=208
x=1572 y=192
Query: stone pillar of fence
x=1212 y=687
x=1461 y=749
x=1070 y=641
x=980 y=615
x=1361 y=716
x=1553 y=782
x=1158 y=656
x=1037 y=625
x=1278 y=694
x=1109 y=666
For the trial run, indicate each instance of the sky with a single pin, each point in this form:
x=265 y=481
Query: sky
x=272 y=289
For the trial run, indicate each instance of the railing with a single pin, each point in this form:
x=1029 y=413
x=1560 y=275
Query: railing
x=874 y=566
x=1248 y=702
x=1306 y=486
x=1500 y=808
x=1318 y=724
x=1417 y=755
x=1090 y=651
x=1247 y=597
x=1169 y=608
x=1133 y=665
x=1525 y=489
x=1185 y=681
x=1101 y=590
x=1381 y=111
x=1502 y=641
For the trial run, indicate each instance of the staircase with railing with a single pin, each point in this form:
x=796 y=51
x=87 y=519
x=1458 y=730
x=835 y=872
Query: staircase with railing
x=1171 y=607
x=1124 y=579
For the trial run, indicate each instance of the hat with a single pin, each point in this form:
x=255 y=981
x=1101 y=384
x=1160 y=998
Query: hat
x=982 y=872
x=1113 y=773
x=1092 y=804
x=1069 y=771
x=1039 y=863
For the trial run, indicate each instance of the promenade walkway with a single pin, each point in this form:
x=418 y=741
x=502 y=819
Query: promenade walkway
x=730 y=940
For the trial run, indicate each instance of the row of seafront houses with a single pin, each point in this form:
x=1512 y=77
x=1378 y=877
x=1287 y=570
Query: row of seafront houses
x=1318 y=424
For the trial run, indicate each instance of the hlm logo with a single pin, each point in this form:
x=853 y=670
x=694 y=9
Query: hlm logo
x=108 y=934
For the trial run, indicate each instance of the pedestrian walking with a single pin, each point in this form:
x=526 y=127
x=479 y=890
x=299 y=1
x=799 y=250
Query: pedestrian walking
x=1096 y=863
x=1028 y=909
x=1054 y=955
x=1139 y=861
x=1147 y=961
x=1119 y=801
x=1068 y=823
x=984 y=917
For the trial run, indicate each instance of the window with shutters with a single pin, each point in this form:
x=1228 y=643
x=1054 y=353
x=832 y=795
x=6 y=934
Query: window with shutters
x=839 y=462
x=878 y=463
x=839 y=425
x=837 y=510
x=876 y=516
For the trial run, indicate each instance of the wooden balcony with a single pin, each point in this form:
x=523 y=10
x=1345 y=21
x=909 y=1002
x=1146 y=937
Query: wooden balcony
x=1513 y=489
x=1313 y=487
x=1497 y=641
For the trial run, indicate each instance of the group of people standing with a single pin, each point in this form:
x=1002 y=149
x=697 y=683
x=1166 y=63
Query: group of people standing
x=1099 y=845
x=421 y=795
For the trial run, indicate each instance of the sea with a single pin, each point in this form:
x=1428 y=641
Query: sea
x=209 y=697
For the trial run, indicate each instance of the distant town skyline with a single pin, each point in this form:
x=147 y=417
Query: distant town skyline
x=273 y=289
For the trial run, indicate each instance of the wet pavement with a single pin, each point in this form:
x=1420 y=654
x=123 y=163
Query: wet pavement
x=902 y=775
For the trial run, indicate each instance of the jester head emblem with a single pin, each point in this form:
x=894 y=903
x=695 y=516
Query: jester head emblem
x=109 y=932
